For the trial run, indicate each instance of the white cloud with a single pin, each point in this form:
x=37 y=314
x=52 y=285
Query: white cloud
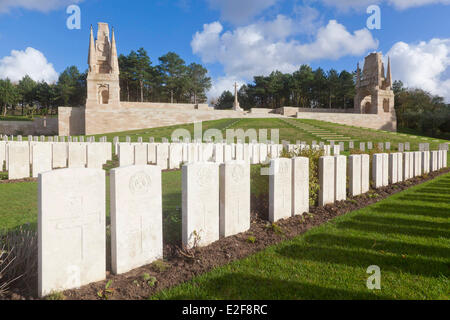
x=221 y=84
x=405 y=4
x=240 y=11
x=425 y=65
x=30 y=62
x=399 y=4
x=38 y=5
x=309 y=18
x=265 y=46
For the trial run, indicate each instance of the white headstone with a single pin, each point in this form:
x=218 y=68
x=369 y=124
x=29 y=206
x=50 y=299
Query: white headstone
x=2 y=154
x=362 y=146
x=411 y=165
x=126 y=154
x=434 y=161
x=162 y=155
x=365 y=173
x=175 y=155
x=140 y=154
x=385 y=169
x=234 y=198
x=71 y=229
x=200 y=205
x=354 y=174
x=406 y=157
x=263 y=152
x=227 y=153
x=255 y=159
x=400 y=167
x=326 y=180
x=136 y=217
x=151 y=153
x=300 y=185
x=280 y=189
x=42 y=158
x=417 y=163
x=76 y=155
x=393 y=168
x=18 y=160
x=425 y=161
x=218 y=153
x=59 y=155
x=377 y=170
x=95 y=155
x=340 y=171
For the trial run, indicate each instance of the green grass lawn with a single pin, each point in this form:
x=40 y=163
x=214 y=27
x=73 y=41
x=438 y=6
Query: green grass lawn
x=406 y=235
x=287 y=131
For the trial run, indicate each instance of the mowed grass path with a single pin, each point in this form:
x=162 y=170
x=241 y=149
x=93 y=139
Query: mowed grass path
x=406 y=235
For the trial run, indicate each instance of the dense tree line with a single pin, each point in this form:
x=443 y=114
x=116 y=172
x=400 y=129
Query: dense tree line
x=421 y=112
x=33 y=97
x=305 y=88
x=169 y=81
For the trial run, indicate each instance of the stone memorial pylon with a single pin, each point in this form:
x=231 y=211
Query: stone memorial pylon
x=236 y=106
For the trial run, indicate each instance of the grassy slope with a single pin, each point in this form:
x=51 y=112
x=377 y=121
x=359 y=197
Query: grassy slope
x=406 y=235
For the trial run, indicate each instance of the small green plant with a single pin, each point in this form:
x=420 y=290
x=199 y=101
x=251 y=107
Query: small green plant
x=160 y=265
x=56 y=296
x=107 y=292
x=150 y=280
x=275 y=228
x=251 y=239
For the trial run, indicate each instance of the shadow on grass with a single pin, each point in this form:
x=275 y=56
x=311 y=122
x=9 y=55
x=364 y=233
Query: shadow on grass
x=229 y=286
x=406 y=209
x=367 y=226
x=394 y=221
x=389 y=246
x=425 y=197
x=363 y=259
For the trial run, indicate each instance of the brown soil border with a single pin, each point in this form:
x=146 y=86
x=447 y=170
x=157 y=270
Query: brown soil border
x=182 y=265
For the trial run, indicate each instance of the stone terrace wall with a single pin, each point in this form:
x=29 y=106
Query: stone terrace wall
x=70 y=121
x=292 y=111
x=38 y=126
x=161 y=105
x=135 y=116
x=100 y=121
x=373 y=121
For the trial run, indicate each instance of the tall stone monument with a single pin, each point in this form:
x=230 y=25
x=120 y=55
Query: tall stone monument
x=236 y=106
x=374 y=93
x=103 y=77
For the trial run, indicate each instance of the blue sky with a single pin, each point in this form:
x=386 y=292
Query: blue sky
x=235 y=39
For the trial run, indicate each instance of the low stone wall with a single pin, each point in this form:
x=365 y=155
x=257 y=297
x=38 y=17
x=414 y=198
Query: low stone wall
x=262 y=111
x=162 y=105
x=372 y=121
x=292 y=111
x=71 y=121
x=39 y=126
x=100 y=121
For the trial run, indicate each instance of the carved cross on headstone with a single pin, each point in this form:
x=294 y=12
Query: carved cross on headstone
x=79 y=219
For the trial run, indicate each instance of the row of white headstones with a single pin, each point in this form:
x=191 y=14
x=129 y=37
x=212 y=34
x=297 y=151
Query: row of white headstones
x=45 y=156
x=215 y=204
